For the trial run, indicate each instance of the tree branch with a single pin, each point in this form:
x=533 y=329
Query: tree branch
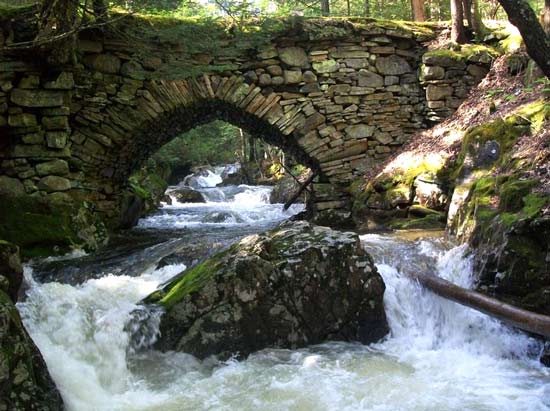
x=26 y=45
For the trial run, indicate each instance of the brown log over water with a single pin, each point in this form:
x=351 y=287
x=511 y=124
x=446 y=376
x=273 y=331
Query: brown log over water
x=514 y=316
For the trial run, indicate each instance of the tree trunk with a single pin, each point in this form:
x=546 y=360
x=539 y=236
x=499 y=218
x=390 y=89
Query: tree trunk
x=516 y=317
x=58 y=17
x=251 y=148
x=477 y=21
x=458 y=32
x=536 y=41
x=243 y=146
x=467 y=10
x=367 y=8
x=418 y=12
x=325 y=7
x=545 y=17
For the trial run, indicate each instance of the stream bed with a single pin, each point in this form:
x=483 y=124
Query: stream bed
x=439 y=356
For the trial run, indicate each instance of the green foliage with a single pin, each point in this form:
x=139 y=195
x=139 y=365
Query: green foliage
x=213 y=143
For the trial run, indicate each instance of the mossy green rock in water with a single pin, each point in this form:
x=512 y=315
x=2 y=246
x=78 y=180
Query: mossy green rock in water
x=25 y=384
x=297 y=285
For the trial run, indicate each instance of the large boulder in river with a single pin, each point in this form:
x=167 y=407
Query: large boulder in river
x=294 y=286
x=187 y=195
x=25 y=383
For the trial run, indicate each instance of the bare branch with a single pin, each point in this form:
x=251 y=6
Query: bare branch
x=26 y=45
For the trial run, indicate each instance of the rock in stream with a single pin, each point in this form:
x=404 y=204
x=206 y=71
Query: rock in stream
x=294 y=286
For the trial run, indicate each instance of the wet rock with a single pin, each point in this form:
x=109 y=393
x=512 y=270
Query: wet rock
x=187 y=195
x=11 y=272
x=25 y=383
x=222 y=217
x=294 y=286
x=284 y=190
x=233 y=174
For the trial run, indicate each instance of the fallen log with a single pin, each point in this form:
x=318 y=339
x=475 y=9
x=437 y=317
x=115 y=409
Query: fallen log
x=300 y=191
x=508 y=314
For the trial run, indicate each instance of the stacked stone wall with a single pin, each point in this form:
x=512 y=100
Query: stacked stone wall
x=340 y=102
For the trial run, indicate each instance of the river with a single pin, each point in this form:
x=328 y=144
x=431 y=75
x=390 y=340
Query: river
x=439 y=356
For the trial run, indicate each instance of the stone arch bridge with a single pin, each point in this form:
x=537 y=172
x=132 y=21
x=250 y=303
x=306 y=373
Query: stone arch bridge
x=339 y=95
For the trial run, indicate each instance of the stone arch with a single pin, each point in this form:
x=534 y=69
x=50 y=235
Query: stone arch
x=255 y=114
x=129 y=133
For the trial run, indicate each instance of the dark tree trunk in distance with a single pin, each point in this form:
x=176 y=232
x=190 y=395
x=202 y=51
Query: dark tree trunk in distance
x=325 y=7
x=536 y=41
x=418 y=12
x=458 y=32
x=545 y=17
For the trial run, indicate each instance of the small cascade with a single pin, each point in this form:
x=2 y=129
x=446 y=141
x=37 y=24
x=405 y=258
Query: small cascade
x=439 y=355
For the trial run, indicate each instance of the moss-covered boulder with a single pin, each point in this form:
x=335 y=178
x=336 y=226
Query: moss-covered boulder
x=25 y=384
x=297 y=285
x=48 y=225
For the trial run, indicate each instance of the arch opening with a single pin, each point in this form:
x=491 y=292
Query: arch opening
x=168 y=125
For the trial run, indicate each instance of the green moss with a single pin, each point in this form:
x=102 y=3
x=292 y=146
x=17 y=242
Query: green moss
x=512 y=193
x=504 y=131
x=465 y=52
x=191 y=280
x=431 y=221
x=41 y=228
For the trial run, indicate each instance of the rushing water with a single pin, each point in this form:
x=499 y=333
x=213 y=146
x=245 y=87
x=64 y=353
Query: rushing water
x=439 y=356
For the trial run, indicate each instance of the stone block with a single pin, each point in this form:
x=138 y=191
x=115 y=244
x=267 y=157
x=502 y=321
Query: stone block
x=133 y=70
x=56 y=139
x=54 y=183
x=309 y=77
x=360 y=131
x=392 y=66
x=391 y=80
x=294 y=57
x=361 y=91
x=434 y=92
x=369 y=79
x=38 y=151
x=310 y=88
x=22 y=120
x=55 y=122
x=11 y=187
x=327 y=66
x=64 y=81
x=30 y=81
x=36 y=98
x=383 y=138
x=292 y=77
x=54 y=167
x=268 y=53
x=432 y=73
x=275 y=70
x=346 y=100
x=277 y=81
x=356 y=63
x=33 y=138
x=264 y=79
x=476 y=71
x=152 y=63
x=104 y=63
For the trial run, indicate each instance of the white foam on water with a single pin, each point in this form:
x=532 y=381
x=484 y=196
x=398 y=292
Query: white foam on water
x=439 y=356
